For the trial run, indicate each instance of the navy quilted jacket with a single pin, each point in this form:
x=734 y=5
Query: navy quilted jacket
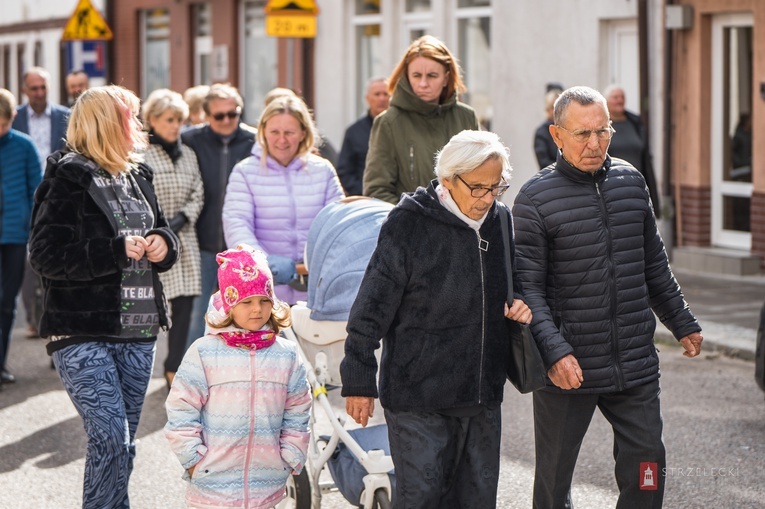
x=593 y=267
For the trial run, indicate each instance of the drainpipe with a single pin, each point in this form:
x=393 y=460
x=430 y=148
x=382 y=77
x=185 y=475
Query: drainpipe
x=671 y=211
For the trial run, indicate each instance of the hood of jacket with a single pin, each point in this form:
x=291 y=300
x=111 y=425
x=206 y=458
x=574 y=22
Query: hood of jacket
x=405 y=98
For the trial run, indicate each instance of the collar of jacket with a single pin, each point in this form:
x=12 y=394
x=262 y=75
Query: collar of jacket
x=425 y=201
x=573 y=173
x=209 y=133
x=405 y=98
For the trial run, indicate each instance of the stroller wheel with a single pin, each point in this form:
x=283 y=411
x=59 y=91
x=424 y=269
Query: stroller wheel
x=298 y=492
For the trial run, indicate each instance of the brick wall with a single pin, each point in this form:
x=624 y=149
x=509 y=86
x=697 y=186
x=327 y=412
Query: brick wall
x=694 y=214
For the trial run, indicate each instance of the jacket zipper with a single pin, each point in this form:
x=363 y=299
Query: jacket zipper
x=614 y=331
x=411 y=162
x=248 y=452
x=482 y=246
x=223 y=172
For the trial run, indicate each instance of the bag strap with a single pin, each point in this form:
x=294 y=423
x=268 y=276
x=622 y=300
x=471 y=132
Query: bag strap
x=504 y=214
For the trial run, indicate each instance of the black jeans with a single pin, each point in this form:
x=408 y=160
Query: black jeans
x=12 y=259
x=560 y=423
x=180 y=309
x=445 y=462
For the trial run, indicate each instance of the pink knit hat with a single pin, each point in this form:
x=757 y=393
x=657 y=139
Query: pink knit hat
x=243 y=272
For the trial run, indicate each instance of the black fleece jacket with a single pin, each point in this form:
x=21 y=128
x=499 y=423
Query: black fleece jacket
x=593 y=267
x=76 y=249
x=436 y=295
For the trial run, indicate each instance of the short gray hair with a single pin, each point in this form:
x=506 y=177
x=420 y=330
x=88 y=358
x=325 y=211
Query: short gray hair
x=581 y=95
x=468 y=150
x=35 y=71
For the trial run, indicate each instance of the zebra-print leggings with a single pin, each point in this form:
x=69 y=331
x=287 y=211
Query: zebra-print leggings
x=107 y=383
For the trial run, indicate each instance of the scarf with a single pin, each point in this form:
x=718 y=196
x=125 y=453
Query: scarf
x=173 y=148
x=250 y=340
x=445 y=197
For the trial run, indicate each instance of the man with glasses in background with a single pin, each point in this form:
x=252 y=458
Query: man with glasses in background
x=594 y=270
x=219 y=145
x=46 y=124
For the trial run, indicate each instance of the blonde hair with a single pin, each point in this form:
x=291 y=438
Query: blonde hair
x=161 y=100
x=280 y=318
x=296 y=107
x=103 y=126
x=7 y=104
x=277 y=92
x=430 y=47
x=194 y=96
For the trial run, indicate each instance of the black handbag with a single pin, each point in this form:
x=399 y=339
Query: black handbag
x=525 y=368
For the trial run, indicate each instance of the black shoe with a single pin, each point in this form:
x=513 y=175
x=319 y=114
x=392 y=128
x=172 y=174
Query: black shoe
x=6 y=377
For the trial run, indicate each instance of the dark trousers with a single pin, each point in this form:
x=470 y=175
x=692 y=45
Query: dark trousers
x=29 y=287
x=560 y=423
x=12 y=259
x=180 y=308
x=445 y=462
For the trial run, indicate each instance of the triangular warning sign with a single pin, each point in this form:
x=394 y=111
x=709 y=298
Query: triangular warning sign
x=86 y=23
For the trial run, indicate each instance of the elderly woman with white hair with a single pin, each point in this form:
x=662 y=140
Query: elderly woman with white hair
x=435 y=290
x=180 y=192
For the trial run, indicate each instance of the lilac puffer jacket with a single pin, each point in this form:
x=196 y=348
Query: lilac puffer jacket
x=271 y=208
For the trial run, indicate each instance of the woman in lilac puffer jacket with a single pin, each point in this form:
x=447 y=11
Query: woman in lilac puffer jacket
x=274 y=195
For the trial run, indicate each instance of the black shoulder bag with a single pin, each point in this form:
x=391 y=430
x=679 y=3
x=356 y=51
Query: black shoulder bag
x=525 y=368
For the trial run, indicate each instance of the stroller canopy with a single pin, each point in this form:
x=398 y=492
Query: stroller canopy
x=340 y=243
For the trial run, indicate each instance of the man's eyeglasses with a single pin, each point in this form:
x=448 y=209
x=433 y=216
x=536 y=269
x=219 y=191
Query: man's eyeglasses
x=480 y=192
x=584 y=135
x=230 y=114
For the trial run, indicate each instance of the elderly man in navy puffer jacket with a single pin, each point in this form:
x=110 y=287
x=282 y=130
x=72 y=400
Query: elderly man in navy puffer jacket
x=594 y=270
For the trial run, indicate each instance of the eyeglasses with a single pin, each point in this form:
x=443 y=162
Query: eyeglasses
x=230 y=114
x=584 y=135
x=480 y=192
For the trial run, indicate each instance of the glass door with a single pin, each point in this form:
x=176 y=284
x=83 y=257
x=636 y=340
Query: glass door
x=731 y=135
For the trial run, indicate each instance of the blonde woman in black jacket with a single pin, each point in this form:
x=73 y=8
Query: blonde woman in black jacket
x=99 y=240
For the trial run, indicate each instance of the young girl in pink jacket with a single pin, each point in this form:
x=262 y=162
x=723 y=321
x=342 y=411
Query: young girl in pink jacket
x=239 y=405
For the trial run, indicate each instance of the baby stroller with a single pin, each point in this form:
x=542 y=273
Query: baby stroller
x=340 y=242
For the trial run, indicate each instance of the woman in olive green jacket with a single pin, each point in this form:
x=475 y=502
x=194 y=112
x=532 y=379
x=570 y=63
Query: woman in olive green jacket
x=424 y=114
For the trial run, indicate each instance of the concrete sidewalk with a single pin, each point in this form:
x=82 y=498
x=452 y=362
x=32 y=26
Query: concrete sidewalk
x=727 y=307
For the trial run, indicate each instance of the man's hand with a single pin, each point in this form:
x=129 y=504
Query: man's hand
x=360 y=408
x=518 y=312
x=566 y=373
x=692 y=344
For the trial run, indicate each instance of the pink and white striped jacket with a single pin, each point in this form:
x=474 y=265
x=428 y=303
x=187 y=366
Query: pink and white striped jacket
x=240 y=417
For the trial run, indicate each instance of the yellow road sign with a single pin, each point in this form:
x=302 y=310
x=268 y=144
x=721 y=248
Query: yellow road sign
x=86 y=23
x=291 y=18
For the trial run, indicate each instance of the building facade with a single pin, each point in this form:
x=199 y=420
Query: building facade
x=702 y=80
x=717 y=55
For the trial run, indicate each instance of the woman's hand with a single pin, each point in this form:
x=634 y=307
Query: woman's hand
x=156 y=248
x=135 y=246
x=518 y=312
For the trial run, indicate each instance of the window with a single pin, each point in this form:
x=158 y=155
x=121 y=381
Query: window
x=260 y=66
x=474 y=55
x=156 y=49
x=200 y=16
x=368 y=49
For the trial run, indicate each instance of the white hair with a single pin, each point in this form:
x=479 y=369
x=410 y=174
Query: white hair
x=468 y=150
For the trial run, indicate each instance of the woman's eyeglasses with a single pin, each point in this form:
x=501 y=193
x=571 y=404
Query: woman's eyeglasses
x=230 y=114
x=480 y=192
